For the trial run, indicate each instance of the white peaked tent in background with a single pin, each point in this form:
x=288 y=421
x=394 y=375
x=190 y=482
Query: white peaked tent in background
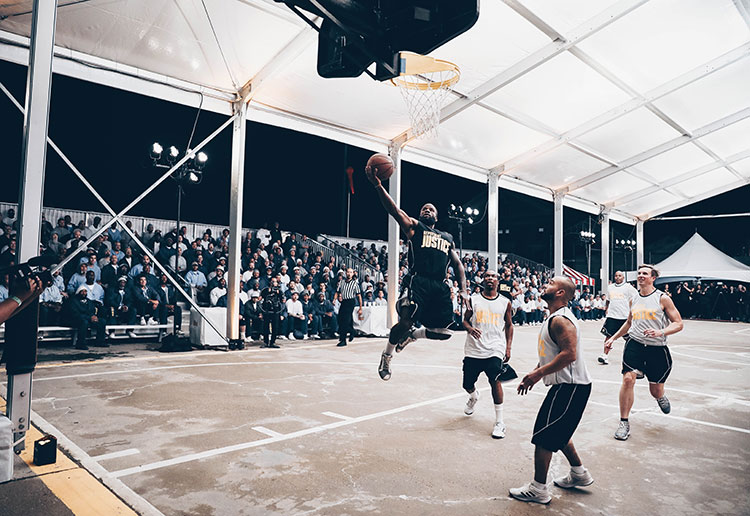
x=697 y=258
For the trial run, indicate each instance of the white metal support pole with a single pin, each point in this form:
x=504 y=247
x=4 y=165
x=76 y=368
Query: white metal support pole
x=558 y=233
x=394 y=232
x=35 y=124
x=239 y=131
x=605 y=252
x=492 y=218
x=639 y=248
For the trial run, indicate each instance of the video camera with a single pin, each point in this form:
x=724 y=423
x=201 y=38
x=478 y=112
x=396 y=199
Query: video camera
x=37 y=267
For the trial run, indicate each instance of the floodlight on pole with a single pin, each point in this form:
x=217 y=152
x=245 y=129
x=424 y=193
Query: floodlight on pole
x=156 y=151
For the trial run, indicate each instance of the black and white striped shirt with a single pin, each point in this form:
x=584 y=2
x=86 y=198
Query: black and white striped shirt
x=349 y=289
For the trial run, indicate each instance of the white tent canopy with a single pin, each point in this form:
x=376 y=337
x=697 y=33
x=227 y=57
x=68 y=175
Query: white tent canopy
x=633 y=106
x=697 y=258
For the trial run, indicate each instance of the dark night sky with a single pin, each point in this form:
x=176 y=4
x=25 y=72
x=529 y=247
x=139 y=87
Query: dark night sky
x=294 y=178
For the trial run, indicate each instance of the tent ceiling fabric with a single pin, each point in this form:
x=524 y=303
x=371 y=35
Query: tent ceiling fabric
x=614 y=102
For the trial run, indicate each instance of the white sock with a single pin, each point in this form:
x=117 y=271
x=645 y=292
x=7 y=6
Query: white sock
x=419 y=333
x=499 y=413
x=389 y=348
x=538 y=486
x=578 y=470
x=474 y=395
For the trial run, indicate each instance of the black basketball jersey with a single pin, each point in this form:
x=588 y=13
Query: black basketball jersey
x=430 y=250
x=505 y=288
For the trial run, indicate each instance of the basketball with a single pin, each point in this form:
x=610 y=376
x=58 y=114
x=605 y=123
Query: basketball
x=381 y=165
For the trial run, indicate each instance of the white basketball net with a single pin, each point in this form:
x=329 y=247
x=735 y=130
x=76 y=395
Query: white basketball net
x=425 y=94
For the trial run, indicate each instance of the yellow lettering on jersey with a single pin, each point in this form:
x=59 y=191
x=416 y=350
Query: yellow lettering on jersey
x=640 y=313
x=435 y=241
x=541 y=346
x=487 y=317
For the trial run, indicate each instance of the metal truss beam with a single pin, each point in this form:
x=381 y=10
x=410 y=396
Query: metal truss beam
x=701 y=197
x=541 y=56
x=613 y=114
x=660 y=149
x=117 y=217
x=625 y=199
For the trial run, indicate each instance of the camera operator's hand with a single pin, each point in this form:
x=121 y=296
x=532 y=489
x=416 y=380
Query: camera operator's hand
x=28 y=289
x=20 y=296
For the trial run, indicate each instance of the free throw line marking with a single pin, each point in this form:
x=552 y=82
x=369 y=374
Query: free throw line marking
x=254 y=444
x=336 y=416
x=114 y=455
x=264 y=430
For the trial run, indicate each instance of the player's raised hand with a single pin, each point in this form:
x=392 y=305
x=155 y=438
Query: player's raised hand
x=371 y=177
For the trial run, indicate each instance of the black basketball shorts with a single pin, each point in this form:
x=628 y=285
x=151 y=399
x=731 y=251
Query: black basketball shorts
x=653 y=361
x=473 y=367
x=430 y=299
x=611 y=326
x=559 y=415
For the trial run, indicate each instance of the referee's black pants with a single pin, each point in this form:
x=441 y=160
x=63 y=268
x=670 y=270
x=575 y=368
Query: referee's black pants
x=345 y=319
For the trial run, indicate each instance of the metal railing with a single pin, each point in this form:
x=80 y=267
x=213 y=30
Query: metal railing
x=341 y=255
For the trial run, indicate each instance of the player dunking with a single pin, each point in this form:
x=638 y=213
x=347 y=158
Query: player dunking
x=425 y=298
x=652 y=317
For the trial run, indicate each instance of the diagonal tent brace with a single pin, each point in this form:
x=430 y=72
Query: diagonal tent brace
x=118 y=216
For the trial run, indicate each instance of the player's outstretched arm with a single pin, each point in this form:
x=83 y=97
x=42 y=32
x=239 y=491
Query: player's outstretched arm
x=458 y=267
x=622 y=331
x=406 y=223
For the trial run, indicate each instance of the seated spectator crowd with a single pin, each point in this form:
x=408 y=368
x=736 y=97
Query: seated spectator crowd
x=113 y=282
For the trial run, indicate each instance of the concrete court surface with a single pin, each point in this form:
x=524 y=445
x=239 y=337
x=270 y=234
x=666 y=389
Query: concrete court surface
x=311 y=429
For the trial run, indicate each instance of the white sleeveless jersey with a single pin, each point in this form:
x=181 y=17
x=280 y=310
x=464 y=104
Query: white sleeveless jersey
x=619 y=297
x=489 y=318
x=576 y=371
x=647 y=313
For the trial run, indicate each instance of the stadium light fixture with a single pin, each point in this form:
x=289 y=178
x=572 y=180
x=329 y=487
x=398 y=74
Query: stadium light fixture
x=156 y=151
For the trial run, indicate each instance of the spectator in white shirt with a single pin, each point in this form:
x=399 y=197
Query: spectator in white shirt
x=296 y=321
x=217 y=292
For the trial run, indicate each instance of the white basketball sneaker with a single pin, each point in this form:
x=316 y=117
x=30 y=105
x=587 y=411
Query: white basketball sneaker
x=471 y=403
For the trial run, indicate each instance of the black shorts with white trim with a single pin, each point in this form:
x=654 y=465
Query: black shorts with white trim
x=611 y=326
x=653 y=361
x=560 y=414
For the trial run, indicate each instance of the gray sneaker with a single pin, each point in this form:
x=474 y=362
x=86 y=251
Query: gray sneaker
x=575 y=480
x=623 y=431
x=384 y=369
x=664 y=404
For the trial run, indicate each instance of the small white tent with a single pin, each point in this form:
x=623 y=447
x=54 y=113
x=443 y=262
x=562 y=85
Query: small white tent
x=697 y=258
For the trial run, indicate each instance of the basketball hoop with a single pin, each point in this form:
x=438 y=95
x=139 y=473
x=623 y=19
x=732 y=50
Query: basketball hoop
x=425 y=83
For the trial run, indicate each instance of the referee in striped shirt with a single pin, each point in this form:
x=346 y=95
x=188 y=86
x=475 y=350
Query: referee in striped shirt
x=350 y=291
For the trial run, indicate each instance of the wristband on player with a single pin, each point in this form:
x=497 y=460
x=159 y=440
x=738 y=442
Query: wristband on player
x=16 y=299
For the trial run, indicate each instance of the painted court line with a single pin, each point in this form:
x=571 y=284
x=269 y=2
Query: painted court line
x=133 y=499
x=254 y=444
x=114 y=455
x=735 y=363
x=264 y=430
x=336 y=416
x=225 y=364
x=694 y=393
